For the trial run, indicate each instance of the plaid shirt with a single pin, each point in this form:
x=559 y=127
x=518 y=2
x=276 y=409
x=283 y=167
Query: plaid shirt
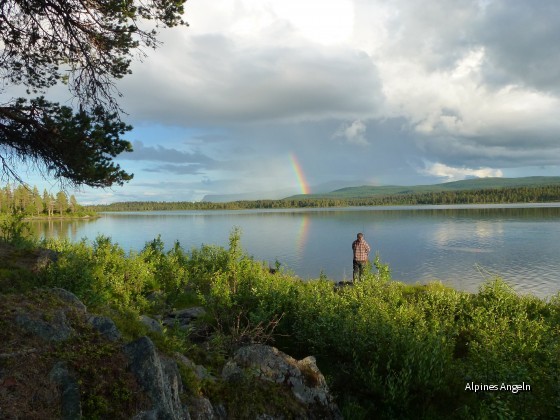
x=361 y=250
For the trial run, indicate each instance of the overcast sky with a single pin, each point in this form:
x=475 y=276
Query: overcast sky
x=362 y=91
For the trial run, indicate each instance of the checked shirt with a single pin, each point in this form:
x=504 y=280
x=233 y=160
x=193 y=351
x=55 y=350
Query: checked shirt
x=361 y=250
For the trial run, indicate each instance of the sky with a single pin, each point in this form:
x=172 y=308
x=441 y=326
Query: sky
x=281 y=97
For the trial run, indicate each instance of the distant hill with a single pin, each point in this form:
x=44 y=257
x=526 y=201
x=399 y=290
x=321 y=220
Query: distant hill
x=465 y=185
x=472 y=191
x=228 y=198
x=276 y=194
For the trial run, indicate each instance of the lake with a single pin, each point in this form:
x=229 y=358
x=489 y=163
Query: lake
x=458 y=245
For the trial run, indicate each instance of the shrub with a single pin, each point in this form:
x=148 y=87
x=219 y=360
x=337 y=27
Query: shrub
x=15 y=230
x=388 y=350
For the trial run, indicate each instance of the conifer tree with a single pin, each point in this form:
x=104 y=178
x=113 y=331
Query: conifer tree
x=87 y=45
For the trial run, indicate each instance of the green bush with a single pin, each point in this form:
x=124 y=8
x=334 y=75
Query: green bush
x=388 y=350
x=14 y=230
x=101 y=273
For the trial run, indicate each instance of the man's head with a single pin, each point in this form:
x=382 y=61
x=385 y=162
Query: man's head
x=360 y=236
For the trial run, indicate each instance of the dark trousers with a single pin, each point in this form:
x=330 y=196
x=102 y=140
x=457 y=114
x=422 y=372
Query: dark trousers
x=358 y=269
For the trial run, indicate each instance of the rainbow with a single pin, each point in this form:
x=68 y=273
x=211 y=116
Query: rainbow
x=303 y=232
x=299 y=174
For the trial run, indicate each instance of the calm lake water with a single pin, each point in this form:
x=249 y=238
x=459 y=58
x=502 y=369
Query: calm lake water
x=458 y=245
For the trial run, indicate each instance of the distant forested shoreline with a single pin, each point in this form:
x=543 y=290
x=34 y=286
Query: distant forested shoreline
x=29 y=202
x=514 y=195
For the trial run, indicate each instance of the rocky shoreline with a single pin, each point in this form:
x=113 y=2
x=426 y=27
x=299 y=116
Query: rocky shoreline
x=48 y=325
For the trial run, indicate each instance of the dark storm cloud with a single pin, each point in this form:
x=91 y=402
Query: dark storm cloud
x=210 y=79
x=522 y=41
x=497 y=152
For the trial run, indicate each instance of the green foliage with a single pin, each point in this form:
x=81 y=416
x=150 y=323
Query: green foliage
x=228 y=296
x=101 y=273
x=248 y=398
x=17 y=280
x=191 y=382
x=400 y=350
x=14 y=230
x=388 y=350
x=24 y=201
x=104 y=274
x=87 y=46
x=169 y=270
x=75 y=146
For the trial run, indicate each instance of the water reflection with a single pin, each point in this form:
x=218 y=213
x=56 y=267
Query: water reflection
x=303 y=232
x=458 y=246
x=58 y=228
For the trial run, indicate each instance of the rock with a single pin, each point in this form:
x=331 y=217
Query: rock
x=186 y=315
x=155 y=296
x=221 y=411
x=54 y=328
x=71 y=407
x=303 y=377
x=184 y=318
x=146 y=415
x=159 y=376
x=69 y=298
x=152 y=324
x=105 y=326
x=44 y=258
x=200 y=408
x=200 y=371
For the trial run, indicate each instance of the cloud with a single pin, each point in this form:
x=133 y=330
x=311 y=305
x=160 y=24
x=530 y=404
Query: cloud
x=252 y=85
x=475 y=81
x=254 y=62
x=473 y=86
x=449 y=173
x=353 y=133
x=522 y=40
x=164 y=154
x=193 y=169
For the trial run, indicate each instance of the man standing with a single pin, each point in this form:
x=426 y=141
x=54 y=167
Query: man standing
x=361 y=250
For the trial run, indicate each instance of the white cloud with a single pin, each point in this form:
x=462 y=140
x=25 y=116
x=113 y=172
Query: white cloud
x=319 y=21
x=449 y=173
x=353 y=133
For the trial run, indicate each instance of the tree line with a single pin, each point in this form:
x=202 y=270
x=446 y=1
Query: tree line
x=538 y=194
x=29 y=202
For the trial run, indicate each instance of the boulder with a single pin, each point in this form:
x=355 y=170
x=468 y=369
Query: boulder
x=152 y=324
x=71 y=407
x=184 y=317
x=69 y=298
x=45 y=257
x=52 y=328
x=200 y=408
x=159 y=377
x=200 y=371
x=303 y=377
x=185 y=320
x=105 y=326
